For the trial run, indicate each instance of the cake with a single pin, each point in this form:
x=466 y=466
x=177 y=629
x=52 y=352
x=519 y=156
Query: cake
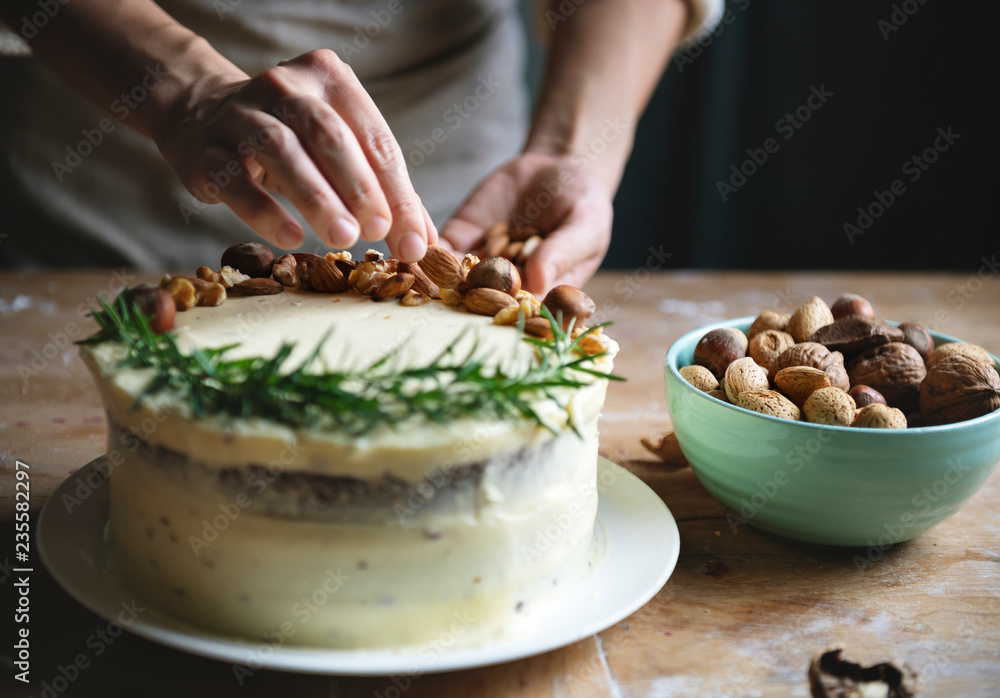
x=415 y=494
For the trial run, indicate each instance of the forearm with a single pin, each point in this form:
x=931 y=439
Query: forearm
x=605 y=59
x=127 y=56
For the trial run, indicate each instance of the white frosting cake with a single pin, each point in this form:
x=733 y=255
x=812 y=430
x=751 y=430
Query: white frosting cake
x=314 y=536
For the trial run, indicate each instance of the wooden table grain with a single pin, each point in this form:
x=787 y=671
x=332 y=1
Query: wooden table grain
x=742 y=614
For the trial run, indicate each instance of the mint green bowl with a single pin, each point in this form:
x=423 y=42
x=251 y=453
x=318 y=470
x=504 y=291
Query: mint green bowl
x=840 y=486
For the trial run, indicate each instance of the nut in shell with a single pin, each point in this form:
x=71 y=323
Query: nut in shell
x=959 y=387
x=809 y=317
x=538 y=327
x=851 y=304
x=769 y=402
x=797 y=383
x=488 y=301
x=768 y=320
x=156 y=304
x=895 y=370
x=569 y=305
x=919 y=338
x=718 y=348
x=879 y=416
x=768 y=345
x=865 y=395
x=700 y=377
x=496 y=273
x=744 y=375
x=973 y=350
x=251 y=258
x=829 y=406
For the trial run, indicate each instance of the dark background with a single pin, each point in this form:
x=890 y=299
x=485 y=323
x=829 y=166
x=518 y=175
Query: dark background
x=890 y=95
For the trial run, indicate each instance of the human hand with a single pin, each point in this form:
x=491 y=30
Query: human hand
x=306 y=129
x=557 y=195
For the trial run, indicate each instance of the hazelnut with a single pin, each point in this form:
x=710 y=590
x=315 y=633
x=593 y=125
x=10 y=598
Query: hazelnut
x=743 y=375
x=829 y=406
x=496 y=273
x=252 y=258
x=959 y=387
x=569 y=303
x=852 y=304
x=700 y=377
x=865 y=395
x=973 y=350
x=718 y=348
x=808 y=318
x=768 y=320
x=766 y=346
x=879 y=416
x=797 y=383
x=895 y=370
x=156 y=304
x=919 y=338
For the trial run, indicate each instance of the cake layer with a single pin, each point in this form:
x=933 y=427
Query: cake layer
x=399 y=575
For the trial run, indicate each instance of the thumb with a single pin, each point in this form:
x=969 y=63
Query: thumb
x=571 y=253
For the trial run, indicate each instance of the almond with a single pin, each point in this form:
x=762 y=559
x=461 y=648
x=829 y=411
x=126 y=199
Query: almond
x=258 y=287
x=320 y=275
x=700 y=377
x=879 y=416
x=394 y=287
x=487 y=301
x=538 y=327
x=744 y=375
x=810 y=316
x=768 y=320
x=830 y=406
x=442 y=267
x=797 y=383
x=421 y=282
x=494 y=246
x=769 y=402
x=520 y=234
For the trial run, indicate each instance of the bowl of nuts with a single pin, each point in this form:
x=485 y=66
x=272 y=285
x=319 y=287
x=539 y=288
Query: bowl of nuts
x=833 y=427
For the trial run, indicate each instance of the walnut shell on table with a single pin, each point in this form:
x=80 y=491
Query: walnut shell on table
x=895 y=370
x=959 y=387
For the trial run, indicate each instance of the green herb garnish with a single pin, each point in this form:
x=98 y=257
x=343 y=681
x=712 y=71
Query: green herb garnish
x=355 y=401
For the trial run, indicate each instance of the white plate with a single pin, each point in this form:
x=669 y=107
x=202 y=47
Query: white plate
x=635 y=529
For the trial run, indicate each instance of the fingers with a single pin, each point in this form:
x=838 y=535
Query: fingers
x=571 y=253
x=245 y=197
x=410 y=228
x=328 y=141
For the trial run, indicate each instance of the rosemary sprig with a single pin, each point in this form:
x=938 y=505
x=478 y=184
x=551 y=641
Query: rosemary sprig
x=356 y=401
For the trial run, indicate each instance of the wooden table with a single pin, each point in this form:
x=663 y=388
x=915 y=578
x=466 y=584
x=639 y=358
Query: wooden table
x=742 y=614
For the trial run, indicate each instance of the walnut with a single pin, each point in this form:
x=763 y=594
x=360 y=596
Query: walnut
x=832 y=676
x=894 y=369
x=959 y=387
x=802 y=354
